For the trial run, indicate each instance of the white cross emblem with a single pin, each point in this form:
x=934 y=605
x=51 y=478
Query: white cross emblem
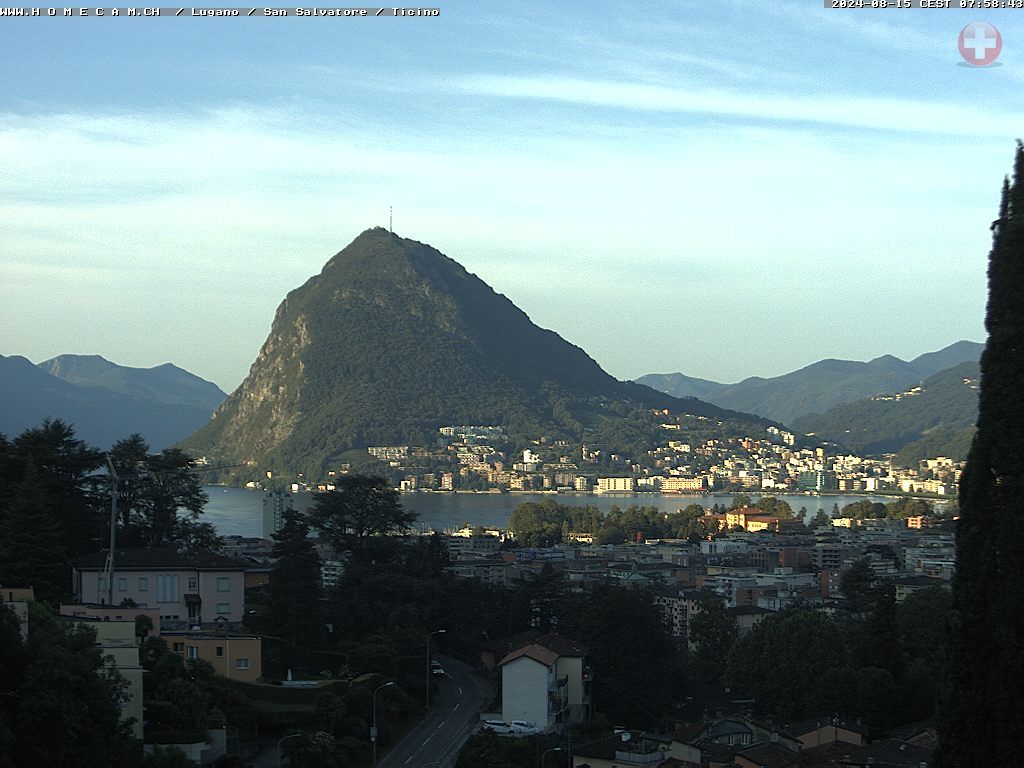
x=980 y=42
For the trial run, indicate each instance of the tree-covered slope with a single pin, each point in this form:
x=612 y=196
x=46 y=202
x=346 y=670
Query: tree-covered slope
x=943 y=405
x=394 y=339
x=816 y=387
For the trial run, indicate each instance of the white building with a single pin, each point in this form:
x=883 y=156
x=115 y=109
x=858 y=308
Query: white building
x=544 y=683
x=614 y=485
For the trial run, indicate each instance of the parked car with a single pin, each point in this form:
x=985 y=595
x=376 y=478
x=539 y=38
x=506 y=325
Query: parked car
x=523 y=728
x=435 y=668
x=497 y=726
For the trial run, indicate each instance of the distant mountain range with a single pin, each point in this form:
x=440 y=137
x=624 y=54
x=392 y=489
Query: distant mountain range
x=819 y=386
x=105 y=402
x=392 y=340
x=933 y=418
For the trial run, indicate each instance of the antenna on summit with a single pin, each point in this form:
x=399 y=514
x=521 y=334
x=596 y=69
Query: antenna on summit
x=391 y=219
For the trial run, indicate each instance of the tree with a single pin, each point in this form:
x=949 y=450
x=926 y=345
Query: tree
x=922 y=620
x=59 y=468
x=160 y=498
x=821 y=519
x=635 y=686
x=857 y=587
x=59 y=703
x=982 y=716
x=610 y=535
x=790 y=662
x=776 y=507
x=901 y=509
x=31 y=550
x=711 y=631
x=864 y=509
x=359 y=508
x=294 y=593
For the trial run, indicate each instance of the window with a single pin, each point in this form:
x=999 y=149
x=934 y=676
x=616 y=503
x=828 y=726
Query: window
x=179 y=647
x=223 y=583
x=193 y=652
x=241 y=663
x=143 y=584
x=220 y=651
x=223 y=607
x=122 y=585
x=167 y=588
x=191 y=583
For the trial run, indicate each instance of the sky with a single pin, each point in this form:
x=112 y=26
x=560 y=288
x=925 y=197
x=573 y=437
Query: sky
x=723 y=188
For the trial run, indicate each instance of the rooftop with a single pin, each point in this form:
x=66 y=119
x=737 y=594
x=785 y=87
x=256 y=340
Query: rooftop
x=169 y=558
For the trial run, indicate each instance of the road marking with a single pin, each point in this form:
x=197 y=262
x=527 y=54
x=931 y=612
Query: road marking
x=425 y=741
x=456 y=705
x=407 y=760
x=460 y=690
x=440 y=724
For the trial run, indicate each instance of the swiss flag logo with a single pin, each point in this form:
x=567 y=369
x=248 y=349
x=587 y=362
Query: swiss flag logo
x=980 y=43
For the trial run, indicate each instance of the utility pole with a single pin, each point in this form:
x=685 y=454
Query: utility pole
x=108 y=566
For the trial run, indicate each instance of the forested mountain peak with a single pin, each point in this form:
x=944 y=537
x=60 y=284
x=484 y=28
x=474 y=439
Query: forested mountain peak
x=394 y=339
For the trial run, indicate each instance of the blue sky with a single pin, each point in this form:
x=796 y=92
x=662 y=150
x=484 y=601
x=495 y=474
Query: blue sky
x=726 y=189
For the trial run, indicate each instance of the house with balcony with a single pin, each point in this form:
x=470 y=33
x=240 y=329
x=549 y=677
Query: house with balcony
x=188 y=588
x=544 y=682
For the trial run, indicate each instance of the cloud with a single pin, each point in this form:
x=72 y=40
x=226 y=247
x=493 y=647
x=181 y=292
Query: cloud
x=233 y=207
x=886 y=114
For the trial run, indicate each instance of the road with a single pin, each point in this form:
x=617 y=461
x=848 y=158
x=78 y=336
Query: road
x=454 y=712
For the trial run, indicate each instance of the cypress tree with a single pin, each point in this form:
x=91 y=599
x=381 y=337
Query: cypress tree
x=982 y=712
x=294 y=611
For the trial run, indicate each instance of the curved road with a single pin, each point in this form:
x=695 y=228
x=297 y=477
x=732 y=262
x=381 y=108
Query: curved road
x=454 y=713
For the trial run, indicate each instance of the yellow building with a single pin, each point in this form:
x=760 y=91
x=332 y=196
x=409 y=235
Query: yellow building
x=16 y=594
x=119 y=645
x=751 y=519
x=232 y=654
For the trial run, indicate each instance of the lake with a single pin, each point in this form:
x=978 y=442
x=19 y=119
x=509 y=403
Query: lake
x=238 y=511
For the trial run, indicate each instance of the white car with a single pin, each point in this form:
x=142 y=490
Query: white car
x=497 y=726
x=523 y=728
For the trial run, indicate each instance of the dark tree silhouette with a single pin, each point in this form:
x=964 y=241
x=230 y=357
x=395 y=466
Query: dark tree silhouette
x=982 y=713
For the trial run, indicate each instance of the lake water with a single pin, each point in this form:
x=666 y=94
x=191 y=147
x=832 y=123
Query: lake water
x=238 y=511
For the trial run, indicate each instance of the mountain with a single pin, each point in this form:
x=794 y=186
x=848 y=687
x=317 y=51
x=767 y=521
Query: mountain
x=819 y=386
x=392 y=340
x=680 y=385
x=165 y=383
x=959 y=352
x=29 y=394
x=816 y=387
x=935 y=417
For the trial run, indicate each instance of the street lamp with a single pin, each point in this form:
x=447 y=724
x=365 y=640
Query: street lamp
x=553 y=749
x=429 y=670
x=282 y=741
x=373 y=729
